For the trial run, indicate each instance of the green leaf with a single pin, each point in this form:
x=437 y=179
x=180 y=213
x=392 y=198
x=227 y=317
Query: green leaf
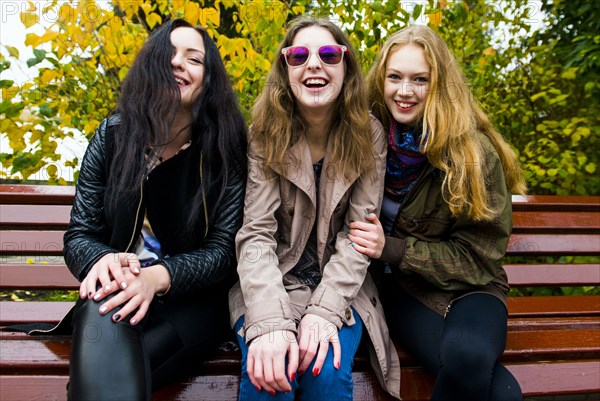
x=417 y=11
x=591 y=168
x=6 y=83
x=39 y=54
x=12 y=51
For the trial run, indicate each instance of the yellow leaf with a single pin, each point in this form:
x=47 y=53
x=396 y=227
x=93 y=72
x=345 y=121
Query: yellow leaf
x=211 y=14
x=489 y=51
x=29 y=261
x=153 y=19
x=48 y=76
x=435 y=19
x=192 y=13
x=29 y=19
x=67 y=14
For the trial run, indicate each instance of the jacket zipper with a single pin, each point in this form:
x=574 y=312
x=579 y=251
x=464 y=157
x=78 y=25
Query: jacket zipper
x=137 y=215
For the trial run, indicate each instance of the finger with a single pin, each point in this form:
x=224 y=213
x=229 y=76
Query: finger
x=337 y=351
x=321 y=355
x=259 y=376
x=279 y=378
x=83 y=290
x=117 y=273
x=102 y=293
x=90 y=282
x=372 y=217
x=308 y=356
x=129 y=305
x=292 y=360
x=104 y=278
x=250 y=371
x=131 y=260
x=112 y=303
x=361 y=226
x=140 y=314
x=366 y=251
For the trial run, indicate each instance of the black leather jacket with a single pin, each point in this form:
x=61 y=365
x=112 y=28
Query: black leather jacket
x=195 y=261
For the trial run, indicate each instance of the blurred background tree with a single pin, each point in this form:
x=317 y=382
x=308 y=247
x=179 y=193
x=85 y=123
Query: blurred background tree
x=532 y=65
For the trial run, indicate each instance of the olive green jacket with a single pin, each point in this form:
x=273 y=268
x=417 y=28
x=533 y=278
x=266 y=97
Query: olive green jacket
x=438 y=257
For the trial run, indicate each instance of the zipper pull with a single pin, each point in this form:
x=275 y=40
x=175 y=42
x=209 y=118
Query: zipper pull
x=447 y=310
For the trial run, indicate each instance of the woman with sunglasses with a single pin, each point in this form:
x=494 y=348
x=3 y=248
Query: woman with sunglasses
x=157 y=207
x=445 y=221
x=316 y=162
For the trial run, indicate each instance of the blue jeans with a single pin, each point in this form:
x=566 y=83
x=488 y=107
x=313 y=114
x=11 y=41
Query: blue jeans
x=329 y=384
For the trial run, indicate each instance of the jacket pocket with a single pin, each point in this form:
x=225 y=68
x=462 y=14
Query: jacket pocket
x=430 y=229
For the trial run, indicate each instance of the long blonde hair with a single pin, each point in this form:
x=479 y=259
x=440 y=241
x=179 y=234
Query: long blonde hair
x=452 y=121
x=277 y=123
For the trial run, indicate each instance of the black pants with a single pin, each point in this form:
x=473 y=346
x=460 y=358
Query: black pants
x=116 y=361
x=461 y=351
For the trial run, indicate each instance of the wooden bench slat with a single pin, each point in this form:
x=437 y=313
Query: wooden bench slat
x=555 y=203
x=32 y=312
x=39 y=276
x=22 y=354
x=519 y=307
x=36 y=194
x=556 y=222
x=585 y=305
x=42 y=242
x=54 y=276
x=553 y=245
x=577 y=377
x=35 y=216
x=520 y=275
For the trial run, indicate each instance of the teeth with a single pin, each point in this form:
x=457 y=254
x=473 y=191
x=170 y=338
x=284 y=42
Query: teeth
x=405 y=105
x=315 y=81
x=180 y=81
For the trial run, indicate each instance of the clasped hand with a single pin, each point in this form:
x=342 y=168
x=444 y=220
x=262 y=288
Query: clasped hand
x=267 y=353
x=368 y=237
x=120 y=274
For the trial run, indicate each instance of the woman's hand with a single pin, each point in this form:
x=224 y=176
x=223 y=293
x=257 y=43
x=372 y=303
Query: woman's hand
x=315 y=334
x=368 y=237
x=266 y=361
x=109 y=271
x=138 y=294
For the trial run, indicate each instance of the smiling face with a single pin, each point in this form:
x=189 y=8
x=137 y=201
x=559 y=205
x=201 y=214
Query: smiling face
x=406 y=83
x=316 y=85
x=188 y=63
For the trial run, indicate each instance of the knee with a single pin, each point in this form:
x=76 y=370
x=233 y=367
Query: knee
x=329 y=384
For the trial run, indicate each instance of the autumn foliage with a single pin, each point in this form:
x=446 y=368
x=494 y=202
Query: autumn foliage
x=538 y=82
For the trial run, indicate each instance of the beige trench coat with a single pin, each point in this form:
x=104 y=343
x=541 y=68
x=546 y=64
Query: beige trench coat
x=279 y=213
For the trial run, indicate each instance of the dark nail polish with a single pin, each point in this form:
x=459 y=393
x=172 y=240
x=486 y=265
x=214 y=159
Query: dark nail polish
x=116 y=318
x=90 y=294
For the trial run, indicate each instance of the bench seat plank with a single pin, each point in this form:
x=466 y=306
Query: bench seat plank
x=553 y=245
x=521 y=275
x=576 y=306
x=35 y=216
x=46 y=276
x=557 y=222
x=576 y=377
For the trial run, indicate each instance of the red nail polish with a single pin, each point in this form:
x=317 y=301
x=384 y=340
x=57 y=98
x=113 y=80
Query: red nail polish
x=315 y=371
x=272 y=393
x=257 y=388
x=337 y=365
x=293 y=377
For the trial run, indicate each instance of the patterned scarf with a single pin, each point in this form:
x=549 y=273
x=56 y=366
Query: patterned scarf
x=404 y=161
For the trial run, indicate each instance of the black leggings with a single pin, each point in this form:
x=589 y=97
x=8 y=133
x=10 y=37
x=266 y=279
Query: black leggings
x=461 y=351
x=116 y=361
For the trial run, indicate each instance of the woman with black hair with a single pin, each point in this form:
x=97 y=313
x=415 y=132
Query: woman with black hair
x=158 y=203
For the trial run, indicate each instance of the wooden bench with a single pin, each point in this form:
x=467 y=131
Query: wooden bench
x=553 y=341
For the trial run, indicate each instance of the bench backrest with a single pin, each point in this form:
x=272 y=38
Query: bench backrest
x=33 y=219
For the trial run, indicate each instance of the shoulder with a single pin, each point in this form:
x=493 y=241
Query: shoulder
x=376 y=129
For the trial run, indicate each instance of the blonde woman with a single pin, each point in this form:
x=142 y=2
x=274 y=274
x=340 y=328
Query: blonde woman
x=316 y=163
x=445 y=221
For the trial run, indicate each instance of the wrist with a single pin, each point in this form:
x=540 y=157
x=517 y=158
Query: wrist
x=161 y=279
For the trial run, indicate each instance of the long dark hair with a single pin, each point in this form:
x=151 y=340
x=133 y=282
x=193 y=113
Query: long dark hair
x=147 y=107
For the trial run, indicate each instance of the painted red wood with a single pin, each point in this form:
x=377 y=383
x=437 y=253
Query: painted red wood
x=42 y=276
x=36 y=194
x=40 y=216
x=548 y=275
x=43 y=242
x=553 y=245
x=557 y=222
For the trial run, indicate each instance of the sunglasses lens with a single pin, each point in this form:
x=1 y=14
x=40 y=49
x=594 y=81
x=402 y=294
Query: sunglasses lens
x=330 y=54
x=297 y=55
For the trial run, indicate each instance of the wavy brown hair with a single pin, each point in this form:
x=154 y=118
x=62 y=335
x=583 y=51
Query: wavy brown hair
x=277 y=123
x=452 y=121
